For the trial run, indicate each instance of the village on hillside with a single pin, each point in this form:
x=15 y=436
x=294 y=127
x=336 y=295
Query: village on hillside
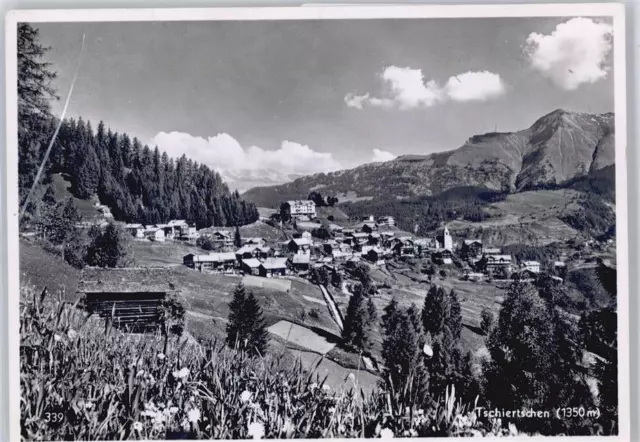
x=336 y=246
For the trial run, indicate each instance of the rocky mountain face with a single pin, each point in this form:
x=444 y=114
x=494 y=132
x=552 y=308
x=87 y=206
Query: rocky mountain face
x=557 y=147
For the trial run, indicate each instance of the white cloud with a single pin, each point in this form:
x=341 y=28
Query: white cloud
x=406 y=88
x=223 y=152
x=474 y=86
x=573 y=54
x=380 y=156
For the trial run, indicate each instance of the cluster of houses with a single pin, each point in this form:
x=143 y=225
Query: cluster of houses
x=173 y=230
x=298 y=255
x=491 y=261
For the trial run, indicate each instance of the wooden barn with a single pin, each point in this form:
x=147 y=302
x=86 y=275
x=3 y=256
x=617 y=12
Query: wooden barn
x=131 y=298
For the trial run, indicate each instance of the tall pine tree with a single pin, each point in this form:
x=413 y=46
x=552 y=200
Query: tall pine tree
x=246 y=328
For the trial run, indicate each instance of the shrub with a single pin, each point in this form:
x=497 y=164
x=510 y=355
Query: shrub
x=486 y=322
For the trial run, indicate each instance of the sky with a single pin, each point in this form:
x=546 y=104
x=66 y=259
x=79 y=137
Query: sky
x=315 y=96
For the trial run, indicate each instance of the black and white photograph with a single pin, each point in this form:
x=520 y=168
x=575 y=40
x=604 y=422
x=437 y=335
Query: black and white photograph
x=322 y=222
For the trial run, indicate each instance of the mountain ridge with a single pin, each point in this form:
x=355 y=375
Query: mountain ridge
x=557 y=147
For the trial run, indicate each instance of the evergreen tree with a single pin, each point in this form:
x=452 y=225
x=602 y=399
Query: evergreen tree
x=405 y=375
x=246 y=328
x=111 y=248
x=435 y=311
x=35 y=123
x=285 y=212
x=237 y=239
x=454 y=321
x=357 y=322
x=533 y=359
x=390 y=314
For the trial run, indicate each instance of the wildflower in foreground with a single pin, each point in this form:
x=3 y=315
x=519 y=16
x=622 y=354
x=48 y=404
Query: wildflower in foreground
x=181 y=374
x=255 y=430
x=137 y=426
x=194 y=416
x=386 y=433
x=72 y=334
x=245 y=396
x=161 y=356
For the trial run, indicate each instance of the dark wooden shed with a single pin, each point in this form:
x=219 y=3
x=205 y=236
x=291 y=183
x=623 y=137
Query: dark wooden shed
x=131 y=298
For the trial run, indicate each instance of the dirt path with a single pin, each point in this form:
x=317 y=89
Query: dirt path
x=333 y=308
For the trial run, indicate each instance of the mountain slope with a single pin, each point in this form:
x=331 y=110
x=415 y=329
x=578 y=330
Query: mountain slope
x=243 y=179
x=557 y=147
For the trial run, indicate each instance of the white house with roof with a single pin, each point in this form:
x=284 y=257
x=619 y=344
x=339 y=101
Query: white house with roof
x=154 y=234
x=273 y=267
x=301 y=209
x=530 y=266
x=299 y=245
x=386 y=221
x=136 y=230
x=494 y=262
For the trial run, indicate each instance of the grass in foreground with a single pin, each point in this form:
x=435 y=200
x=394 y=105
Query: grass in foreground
x=82 y=381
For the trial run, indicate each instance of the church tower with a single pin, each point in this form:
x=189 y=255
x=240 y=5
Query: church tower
x=447 y=240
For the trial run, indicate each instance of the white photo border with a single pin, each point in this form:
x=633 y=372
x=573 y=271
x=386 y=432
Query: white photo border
x=329 y=12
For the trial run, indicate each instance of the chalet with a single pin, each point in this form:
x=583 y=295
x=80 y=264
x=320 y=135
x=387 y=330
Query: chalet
x=386 y=221
x=302 y=209
x=299 y=245
x=404 y=248
x=251 y=266
x=444 y=256
x=245 y=252
x=352 y=261
x=530 y=266
x=495 y=262
x=360 y=238
x=210 y=262
x=374 y=255
x=257 y=241
x=368 y=226
x=300 y=262
x=129 y=298
x=559 y=265
x=336 y=228
x=273 y=267
x=178 y=225
x=338 y=255
x=348 y=232
x=368 y=218
x=136 y=230
x=491 y=251
x=168 y=231
x=471 y=249
x=154 y=234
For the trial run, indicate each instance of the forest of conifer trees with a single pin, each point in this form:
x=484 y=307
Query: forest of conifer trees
x=137 y=183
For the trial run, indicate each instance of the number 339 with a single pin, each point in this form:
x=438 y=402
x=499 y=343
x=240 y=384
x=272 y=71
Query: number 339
x=53 y=418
